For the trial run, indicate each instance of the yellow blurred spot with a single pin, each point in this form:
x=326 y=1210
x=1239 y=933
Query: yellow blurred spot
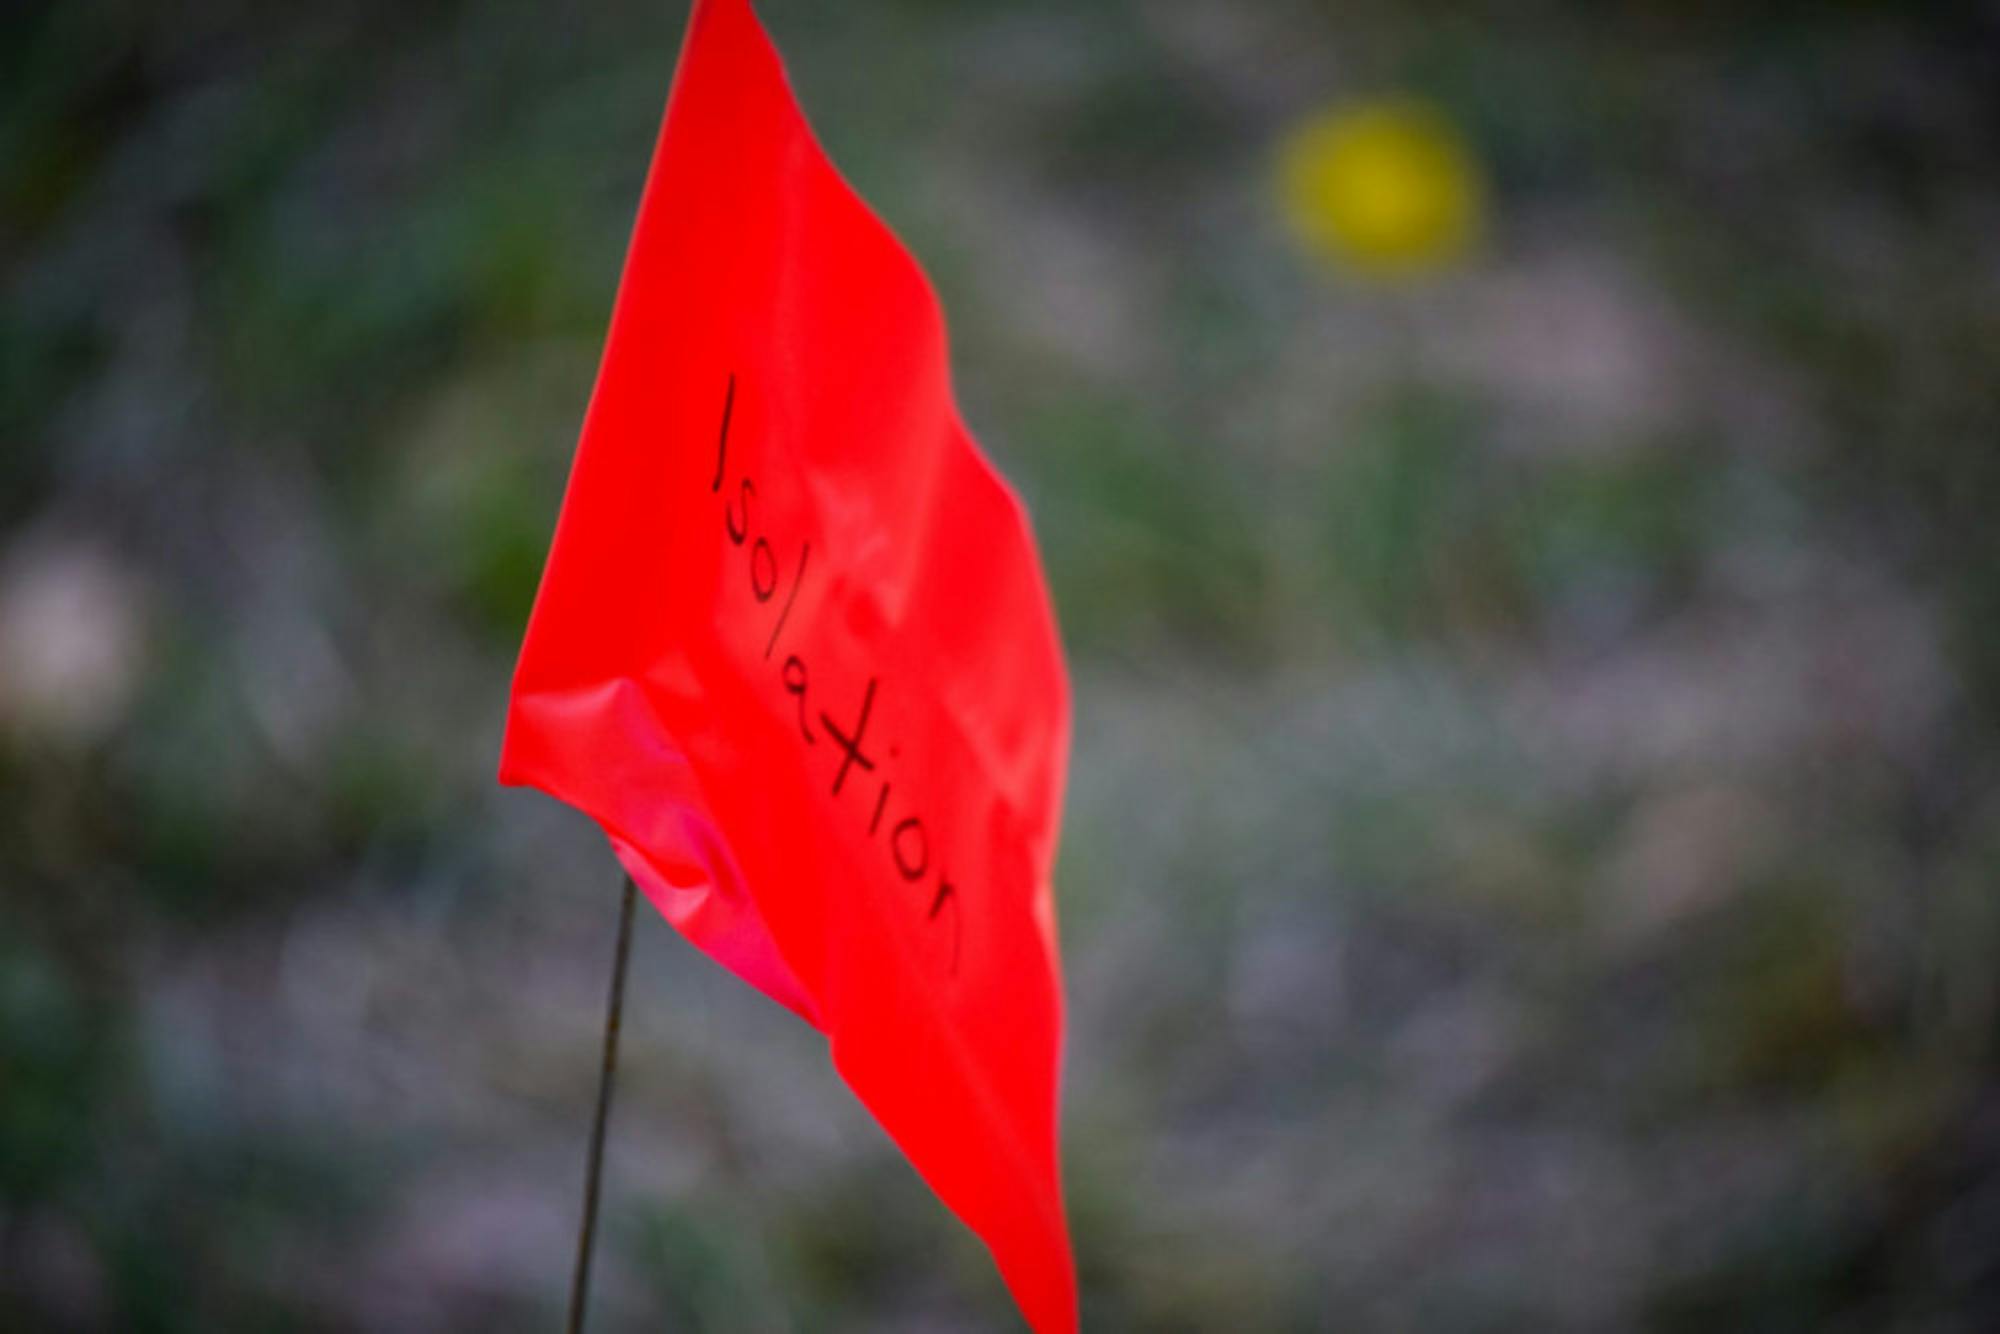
x=1387 y=188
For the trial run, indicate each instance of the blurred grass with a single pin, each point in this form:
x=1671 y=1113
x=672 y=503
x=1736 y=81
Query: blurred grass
x=1532 y=852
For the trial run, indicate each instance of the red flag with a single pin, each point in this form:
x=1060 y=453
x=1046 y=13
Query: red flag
x=794 y=653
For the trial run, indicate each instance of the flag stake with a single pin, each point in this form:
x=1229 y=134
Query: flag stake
x=586 y=1236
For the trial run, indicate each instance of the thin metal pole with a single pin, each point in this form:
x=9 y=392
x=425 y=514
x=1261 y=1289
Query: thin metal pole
x=579 y=1290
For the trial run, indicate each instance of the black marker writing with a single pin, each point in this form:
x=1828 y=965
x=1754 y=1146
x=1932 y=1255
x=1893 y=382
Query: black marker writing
x=737 y=534
x=851 y=744
x=947 y=896
x=805 y=551
x=796 y=681
x=762 y=559
x=722 y=442
x=909 y=842
x=911 y=847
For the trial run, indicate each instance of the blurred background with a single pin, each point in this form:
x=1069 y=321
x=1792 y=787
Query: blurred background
x=1522 y=488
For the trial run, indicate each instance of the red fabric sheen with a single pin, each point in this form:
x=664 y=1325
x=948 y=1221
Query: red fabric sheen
x=776 y=516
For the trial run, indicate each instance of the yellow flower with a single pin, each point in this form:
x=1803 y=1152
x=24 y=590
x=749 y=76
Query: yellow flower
x=1388 y=188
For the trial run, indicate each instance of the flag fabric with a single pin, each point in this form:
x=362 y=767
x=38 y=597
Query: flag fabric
x=794 y=653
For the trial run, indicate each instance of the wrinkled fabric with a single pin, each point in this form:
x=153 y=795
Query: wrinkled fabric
x=794 y=653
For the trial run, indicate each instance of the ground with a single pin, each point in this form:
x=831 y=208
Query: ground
x=1534 y=828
